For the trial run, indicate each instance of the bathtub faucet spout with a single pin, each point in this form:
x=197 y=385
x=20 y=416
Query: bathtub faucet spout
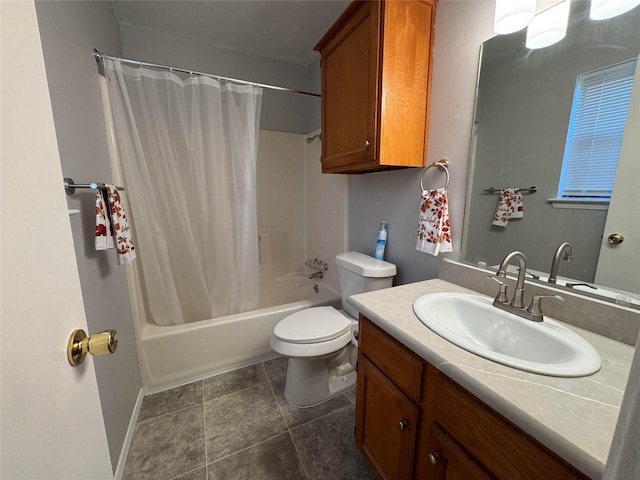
x=316 y=275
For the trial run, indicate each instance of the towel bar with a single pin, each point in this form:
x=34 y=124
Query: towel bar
x=70 y=186
x=522 y=190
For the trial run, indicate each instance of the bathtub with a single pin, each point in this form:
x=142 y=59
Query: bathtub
x=174 y=355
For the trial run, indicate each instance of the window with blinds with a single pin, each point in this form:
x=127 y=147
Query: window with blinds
x=596 y=127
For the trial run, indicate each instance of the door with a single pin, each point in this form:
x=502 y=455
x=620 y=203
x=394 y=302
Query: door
x=614 y=268
x=50 y=414
x=386 y=423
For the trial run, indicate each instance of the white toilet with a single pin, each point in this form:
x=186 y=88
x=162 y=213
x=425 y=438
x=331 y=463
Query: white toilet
x=319 y=341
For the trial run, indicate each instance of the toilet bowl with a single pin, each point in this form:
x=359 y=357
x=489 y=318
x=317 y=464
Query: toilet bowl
x=319 y=341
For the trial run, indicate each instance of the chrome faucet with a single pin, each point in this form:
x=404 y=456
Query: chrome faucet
x=533 y=312
x=563 y=248
x=316 y=275
x=517 y=300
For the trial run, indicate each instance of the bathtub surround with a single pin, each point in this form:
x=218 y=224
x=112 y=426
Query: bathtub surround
x=239 y=425
x=280 y=179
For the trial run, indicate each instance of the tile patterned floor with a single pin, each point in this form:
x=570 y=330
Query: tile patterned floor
x=239 y=426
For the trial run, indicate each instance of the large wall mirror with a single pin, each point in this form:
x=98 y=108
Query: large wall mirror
x=523 y=106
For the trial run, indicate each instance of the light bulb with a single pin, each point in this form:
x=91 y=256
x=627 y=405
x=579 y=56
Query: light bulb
x=603 y=9
x=513 y=15
x=549 y=26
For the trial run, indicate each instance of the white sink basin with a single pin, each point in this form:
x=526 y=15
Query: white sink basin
x=473 y=323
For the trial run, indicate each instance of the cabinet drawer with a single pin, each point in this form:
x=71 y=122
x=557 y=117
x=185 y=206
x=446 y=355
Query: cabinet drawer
x=499 y=446
x=449 y=461
x=393 y=359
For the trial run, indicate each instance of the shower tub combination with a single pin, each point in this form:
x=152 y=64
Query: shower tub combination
x=173 y=355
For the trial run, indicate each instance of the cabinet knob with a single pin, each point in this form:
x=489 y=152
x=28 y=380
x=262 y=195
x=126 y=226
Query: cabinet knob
x=366 y=143
x=433 y=458
x=402 y=425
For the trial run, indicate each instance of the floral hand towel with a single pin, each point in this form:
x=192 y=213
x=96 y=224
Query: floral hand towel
x=434 y=234
x=509 y=206
x=113 y=223
x=104 y=239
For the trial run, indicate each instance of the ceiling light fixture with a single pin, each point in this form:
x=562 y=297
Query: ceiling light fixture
x=549 y=26
x=513 y=15
x=603 y=9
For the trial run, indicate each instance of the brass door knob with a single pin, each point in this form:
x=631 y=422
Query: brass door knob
x=433 y=458
x=615 y=238
x=402 y=425
x=103 y=343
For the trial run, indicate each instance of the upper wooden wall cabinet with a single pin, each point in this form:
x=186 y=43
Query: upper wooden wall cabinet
x=376 y=80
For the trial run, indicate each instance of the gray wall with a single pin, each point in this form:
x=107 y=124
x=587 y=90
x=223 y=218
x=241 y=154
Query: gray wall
x=395 y=196
x=69 y=31
x=524 y=105
x=284 y=112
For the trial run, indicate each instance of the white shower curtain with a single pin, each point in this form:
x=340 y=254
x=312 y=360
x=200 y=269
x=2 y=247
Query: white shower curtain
x=187 y=151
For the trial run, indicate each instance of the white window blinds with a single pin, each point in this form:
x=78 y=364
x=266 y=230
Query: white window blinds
x=598 y=116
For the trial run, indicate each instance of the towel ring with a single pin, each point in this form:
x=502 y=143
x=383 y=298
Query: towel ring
x=443 y=164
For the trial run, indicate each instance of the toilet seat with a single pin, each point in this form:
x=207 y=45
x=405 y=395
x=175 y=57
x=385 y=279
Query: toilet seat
x=312 y=332
x=313 y=325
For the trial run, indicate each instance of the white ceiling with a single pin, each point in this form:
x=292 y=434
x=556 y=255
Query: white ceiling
x=283 y=29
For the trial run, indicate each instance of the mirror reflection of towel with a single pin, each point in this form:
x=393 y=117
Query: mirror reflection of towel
x=434 y=234
x=509 y=206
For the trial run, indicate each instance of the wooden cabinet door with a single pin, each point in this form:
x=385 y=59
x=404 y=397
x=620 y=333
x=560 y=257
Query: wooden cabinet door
x=349 y=90
x=448 y=461
x=386 y=424
x=405 y=82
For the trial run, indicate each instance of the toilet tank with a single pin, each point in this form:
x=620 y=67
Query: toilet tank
x=359 y=273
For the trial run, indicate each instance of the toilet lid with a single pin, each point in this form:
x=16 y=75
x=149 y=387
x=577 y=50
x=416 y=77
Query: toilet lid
x=312 y=325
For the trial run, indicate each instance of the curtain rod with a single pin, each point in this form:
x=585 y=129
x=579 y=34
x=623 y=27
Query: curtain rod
x=100 y=56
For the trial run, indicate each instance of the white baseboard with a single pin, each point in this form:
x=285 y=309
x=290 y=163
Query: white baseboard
x=124 y=453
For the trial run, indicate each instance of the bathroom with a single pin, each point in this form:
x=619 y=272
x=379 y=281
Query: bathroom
x=70 y=31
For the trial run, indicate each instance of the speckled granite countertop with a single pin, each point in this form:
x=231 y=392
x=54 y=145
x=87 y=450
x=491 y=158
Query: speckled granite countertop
x=575 y=417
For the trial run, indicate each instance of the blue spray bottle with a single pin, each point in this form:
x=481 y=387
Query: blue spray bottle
x=382 y=241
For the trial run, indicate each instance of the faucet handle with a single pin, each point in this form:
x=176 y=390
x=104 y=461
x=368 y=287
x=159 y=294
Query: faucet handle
x=502 y=292
x=535 y=309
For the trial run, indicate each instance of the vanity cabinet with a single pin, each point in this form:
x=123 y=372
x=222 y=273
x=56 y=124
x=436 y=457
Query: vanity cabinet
x=376 y=77
x=412 y=421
